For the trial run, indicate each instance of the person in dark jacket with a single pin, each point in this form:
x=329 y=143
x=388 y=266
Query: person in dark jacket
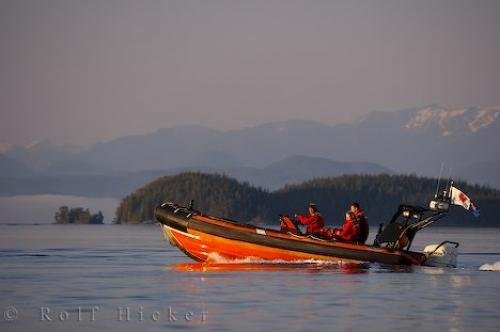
x=314 y=221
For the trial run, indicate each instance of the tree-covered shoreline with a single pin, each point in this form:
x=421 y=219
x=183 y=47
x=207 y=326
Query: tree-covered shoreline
x=77 y=215
x=379 y=195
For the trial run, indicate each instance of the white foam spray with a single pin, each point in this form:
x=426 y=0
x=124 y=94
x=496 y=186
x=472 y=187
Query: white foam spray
x=214 y=257
x=490 y=267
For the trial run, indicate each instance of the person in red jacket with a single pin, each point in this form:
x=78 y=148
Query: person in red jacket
x=362 y=220
x=314 y=221
x=355 y=228
x=350 y=229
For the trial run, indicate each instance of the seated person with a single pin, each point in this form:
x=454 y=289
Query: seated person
x=314 y=221
x=355 y=228
x=361 y=218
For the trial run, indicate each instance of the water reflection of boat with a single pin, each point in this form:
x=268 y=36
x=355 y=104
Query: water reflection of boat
x=201 y=236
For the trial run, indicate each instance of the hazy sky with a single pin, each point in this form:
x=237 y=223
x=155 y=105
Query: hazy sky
x=83 y=71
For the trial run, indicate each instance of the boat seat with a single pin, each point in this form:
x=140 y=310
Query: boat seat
x=390 y=233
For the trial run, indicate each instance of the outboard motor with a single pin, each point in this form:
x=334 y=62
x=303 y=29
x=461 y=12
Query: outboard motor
x=441 y=255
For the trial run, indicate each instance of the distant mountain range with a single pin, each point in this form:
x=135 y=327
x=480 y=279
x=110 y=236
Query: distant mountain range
x=297 y=169
x=290 y=170
x=11 y=168
x=415 y=140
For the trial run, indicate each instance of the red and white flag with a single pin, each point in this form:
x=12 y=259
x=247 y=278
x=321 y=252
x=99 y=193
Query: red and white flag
x=459 y=198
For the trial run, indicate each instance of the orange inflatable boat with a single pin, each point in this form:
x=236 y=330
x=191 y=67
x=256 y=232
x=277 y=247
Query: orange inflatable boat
x=204 y=238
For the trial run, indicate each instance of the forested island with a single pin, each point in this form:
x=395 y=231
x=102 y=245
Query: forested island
x=379 y=195
x=77 y=215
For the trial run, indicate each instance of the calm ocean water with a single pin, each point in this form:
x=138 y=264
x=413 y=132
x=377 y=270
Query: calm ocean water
x=119 y=277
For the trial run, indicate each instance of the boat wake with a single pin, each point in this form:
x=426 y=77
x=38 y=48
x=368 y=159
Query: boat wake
x=215 y=258
x=490 y=267
x=218 y=263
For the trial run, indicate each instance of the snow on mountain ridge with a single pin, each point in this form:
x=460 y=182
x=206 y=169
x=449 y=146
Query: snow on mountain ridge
x=432 y=114
x=484 y=118
x=453 y=120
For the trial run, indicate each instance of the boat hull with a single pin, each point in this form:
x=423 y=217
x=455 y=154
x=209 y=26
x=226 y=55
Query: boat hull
x=206 y=239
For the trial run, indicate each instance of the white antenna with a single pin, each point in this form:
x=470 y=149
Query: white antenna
x=439 y=179
x=450 y=181
x=449 y=191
